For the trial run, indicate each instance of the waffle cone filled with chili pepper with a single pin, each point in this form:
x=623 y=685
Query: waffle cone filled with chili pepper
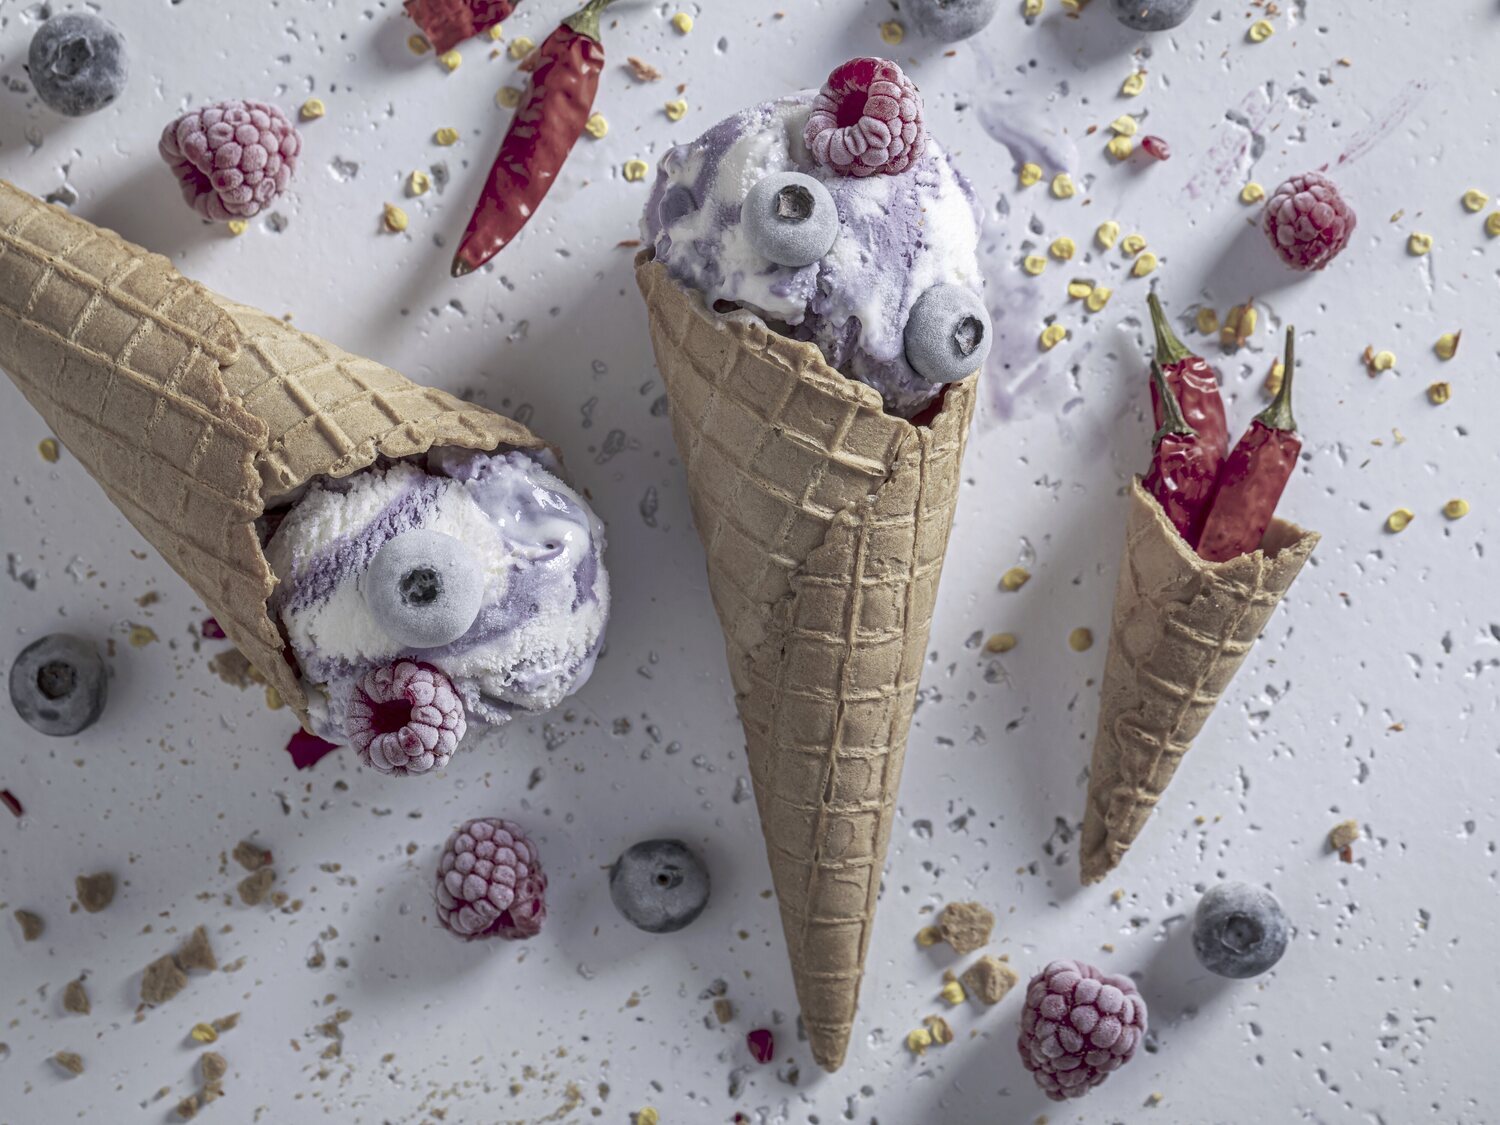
x=825 y=521
x=195 y=413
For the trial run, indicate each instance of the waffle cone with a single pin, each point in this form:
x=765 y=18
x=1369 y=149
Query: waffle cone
x=1180 y=630
x=194 y=413
x=824 y=520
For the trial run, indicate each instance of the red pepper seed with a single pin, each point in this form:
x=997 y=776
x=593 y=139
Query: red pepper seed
x=1157 y=147
x=762 y=1044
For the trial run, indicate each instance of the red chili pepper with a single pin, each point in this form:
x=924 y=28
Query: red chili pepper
x=1254 y=476
x=543 y=132
x=1194 y=383
x=1184 y=469
x=447 y=23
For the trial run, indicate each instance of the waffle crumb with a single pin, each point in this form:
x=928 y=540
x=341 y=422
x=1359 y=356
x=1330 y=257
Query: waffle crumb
x=76 y=998
x=641 y=70
x=966 y=926
x=95 y=892
x=197 y=952
x=1342 y=835
x=162 y=980
x=31 y=925
x=213 y=1066
x=989 y=979
x=69 y=1061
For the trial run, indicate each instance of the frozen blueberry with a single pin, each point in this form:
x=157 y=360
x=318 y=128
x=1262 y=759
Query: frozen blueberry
x=1239 y=930
x=659 y=885
x=951 y=20
x=424 y=588
x=790 y=218
x=947 y=334
x=1153 y=15
x=77 y=63
x=57 y=684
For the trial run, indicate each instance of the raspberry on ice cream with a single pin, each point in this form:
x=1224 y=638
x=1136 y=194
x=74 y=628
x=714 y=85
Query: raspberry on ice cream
x=490 y=882
x=1079 y=1024
x=867 y=119
x=232 y=158
x=405 y=718
x=1308 y=221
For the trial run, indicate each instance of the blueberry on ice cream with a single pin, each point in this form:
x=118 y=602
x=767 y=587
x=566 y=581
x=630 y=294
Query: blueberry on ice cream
x=833 y=216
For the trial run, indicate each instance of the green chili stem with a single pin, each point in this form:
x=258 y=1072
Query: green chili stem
x=1279 y=414
x=1169 y=349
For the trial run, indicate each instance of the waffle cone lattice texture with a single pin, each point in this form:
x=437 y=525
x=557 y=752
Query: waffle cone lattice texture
x=824 y=520
x=193 y=413
x=1180 y=630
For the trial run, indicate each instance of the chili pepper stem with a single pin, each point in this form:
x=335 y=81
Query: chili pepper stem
x=1169 y=349
x=1172 y=420
x=585 y=21
x=1279 y=414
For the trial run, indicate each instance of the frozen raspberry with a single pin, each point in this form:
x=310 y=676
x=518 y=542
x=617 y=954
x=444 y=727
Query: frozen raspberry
x=490 y=882
x=1079 y=1025
x=1308 y=221
x=405 y=718
x=867 y=119
x=232 y=158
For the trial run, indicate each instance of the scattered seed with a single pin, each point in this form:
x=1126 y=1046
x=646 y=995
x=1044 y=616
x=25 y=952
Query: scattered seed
x=1145 y=264
x=939 y=1029
x=647 y=1116
x=418 y=44
x=1274 y=378
x=1492 y=225
x=918 y=1041
x=1034 y=264
x=1120 y=148
x=1456 y=509
x=446 y=136
x=1239 y=326
x=635 y=170
x=312 y=109
x=497 y=32
x=1124 y=125
x=1073 y=7
x=395 y=218
x=204 y=1033
x=1252 y=193
x=1418 y=244
x=418 y=183
x=1399 y=520
x=596 y=126
x=1062 y=186
x=1439 y=393
x=1381 y=361
x=12 y=802
x=508 y=97
x=1260 y=31
x=676 y=109
x=1447 y=345
x=1208 y=321
x=237 y=227
x=1107 y=233
x=953 y=993
x=1099 y=298
x=1014 y=578
x=684 y=23
x=1132 y=245
x=1062 y=248
x=70 y=1061
x=520 y=47
x=1081 y=640
x=929 y=936
x=1001 y=642
x=49 y=450
x=1134 y=84
x=1030 y=174
x=892 y=32
x=451 y=60
x=1053 y=335
x=1474 y=200
x=141 y=636
x=1078 y=290
x=1033 y=8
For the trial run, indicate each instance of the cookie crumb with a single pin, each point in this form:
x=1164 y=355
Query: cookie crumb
x=95 y=892
x=70 y=1061
x=966 y=926
x=213 y=1066
x=252 y=857
x=254 y=888
x=31 y=925
x=162 y=980
x=76 y=998
x=187 y=1109
x=197 y=952
x=723 y=1009
x=989 y=979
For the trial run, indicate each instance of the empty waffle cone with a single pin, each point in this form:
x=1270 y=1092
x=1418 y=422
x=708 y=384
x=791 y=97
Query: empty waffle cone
x=824 y=520
x=1180 y=630
x=194 y=413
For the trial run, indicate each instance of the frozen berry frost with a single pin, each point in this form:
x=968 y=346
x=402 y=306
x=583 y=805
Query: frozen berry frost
x=405 y=718
x=57 y=685
x=490 y=882
x=77 y=63
x=1079 y=1024
x=1308 y=221
x=232 y=158
x=1239 y=930
x=659 y=886
x=867 y=119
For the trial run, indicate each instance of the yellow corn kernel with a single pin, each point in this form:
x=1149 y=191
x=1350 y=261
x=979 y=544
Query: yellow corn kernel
x=1120 y=148
x=1053 y=335
x=596 y=126
x=1383 y=361
x=451 y=60
x=953 y=993
x=237 y=227
x=312 y=109
x=1062 y=186
x=1492 y=225
x=1145 y=264
x=1099 y=298
x=918 y=1041
x=1014 y=578
x=1260 y=31
x=1208 y=321
x=1134 y=85
x=1418 y=244
x=1079 y=290
x=929 y=936
x=497 y=33
x=1081 y=640
x=1447 y=345
x=635 y=170
x=508 y=97
x=1439 y=393
x=1030 y=174
x=1033 y=8
x=446 y=136
x=1107 y=233
x=892 y=32
x=1399 y=520
x=395 y=218
x=418 y=44
x=1062 y=248
x=520 y=47
x=1001 y=642
x=1456 y=509
x=1034 y=264
x=1252 y=193
x=49 y=450
x=418 y=183
x=676 y=109
x=1124 y=125
x=1133 y=244
x=1474 y=200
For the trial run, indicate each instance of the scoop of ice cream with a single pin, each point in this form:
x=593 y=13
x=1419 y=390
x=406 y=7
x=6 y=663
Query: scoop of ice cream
x=485 y=567
x=741 y=215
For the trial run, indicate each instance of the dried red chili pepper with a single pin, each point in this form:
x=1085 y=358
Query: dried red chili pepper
x=546 y=126
x=1254 y=476
x=1184 y=470
x=447 y=23
x=1192 y=380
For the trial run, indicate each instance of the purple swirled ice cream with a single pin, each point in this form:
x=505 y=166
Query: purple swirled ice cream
x=833 y=216
x=483 y=567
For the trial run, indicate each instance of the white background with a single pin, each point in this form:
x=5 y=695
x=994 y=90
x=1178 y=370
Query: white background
x=1372 y=694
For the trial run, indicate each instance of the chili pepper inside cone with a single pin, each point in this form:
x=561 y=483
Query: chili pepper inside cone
x=548 y=122
x=1254 y=475
x=1183 y=475
x=1194 y=383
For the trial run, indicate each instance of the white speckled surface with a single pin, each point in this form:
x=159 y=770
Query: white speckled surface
x=1372 y=695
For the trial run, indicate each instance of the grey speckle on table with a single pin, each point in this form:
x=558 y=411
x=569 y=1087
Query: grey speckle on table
x=1372 y=696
